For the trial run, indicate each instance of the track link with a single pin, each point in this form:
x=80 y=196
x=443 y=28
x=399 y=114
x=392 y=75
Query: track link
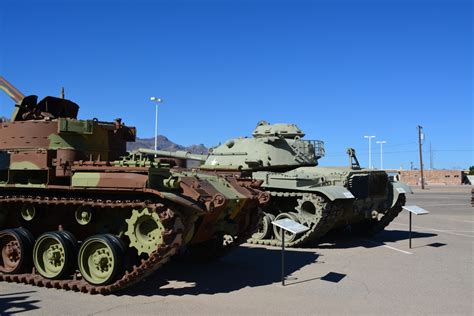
x=373 y=226
x=319 y=224
x=172 y=237
x=376 y=226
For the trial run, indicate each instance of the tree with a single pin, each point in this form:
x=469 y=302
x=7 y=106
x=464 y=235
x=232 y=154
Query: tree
x=471 y=170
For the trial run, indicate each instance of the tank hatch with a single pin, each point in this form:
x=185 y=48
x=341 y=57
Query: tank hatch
x=264 y=129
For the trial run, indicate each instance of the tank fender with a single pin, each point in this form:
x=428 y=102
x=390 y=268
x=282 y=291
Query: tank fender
x=334 y=192
x=399 y=188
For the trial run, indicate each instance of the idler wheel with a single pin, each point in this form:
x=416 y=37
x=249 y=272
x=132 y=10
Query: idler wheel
x=289 y=237
x=145 y=231
x=101 y=258
x=264 y=227
x=15 y=246
x=54 y=254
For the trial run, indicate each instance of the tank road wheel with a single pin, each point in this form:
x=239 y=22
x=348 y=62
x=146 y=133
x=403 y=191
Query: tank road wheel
x=15 y=246
x=101 y=259
x=54 y=254
x=83 y=215
x=264 y=227
x=289 y=237
x=145 y=231
x=28 y=212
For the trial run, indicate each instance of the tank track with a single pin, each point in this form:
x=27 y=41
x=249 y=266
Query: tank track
x=172 y=236
x=206 y=254
x=372 y=227
x=319 y=226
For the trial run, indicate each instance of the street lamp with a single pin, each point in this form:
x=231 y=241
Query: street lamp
x=381 y=152
x=370 y=150
x=156 y=101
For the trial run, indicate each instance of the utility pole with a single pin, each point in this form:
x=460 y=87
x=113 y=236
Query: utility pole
x=431 y=157
x=420 y=145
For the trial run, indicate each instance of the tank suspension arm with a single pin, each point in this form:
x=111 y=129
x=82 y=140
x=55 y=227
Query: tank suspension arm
x=181 y=154
x=9 y=89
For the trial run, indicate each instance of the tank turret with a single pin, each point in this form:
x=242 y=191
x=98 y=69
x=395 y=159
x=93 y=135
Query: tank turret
x=272 y=147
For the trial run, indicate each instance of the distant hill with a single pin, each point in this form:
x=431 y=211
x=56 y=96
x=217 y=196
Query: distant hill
x=165 y=144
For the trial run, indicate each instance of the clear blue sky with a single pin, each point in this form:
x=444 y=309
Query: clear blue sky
x=339 y=69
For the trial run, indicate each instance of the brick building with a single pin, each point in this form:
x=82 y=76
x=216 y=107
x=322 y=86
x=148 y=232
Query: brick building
x=432 y=177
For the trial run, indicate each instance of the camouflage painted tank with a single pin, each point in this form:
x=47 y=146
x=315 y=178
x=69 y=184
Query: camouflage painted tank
x=79 y=213
x=320 y=197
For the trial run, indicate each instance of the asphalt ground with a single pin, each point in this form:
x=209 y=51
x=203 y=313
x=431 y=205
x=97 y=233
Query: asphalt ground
x=380 y=275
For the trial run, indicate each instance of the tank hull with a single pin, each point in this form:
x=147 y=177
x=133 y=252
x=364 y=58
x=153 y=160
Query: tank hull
x=79 y=213
x=325 y=198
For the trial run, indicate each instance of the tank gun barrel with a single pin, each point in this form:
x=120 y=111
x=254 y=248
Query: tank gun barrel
x=181 y=154
x=9 y=89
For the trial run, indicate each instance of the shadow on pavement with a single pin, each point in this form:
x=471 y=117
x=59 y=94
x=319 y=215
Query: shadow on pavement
x=15 y=303
x=244 y=267
x=346 y=240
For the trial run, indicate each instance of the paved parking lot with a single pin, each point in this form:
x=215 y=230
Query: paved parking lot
x=342 y=276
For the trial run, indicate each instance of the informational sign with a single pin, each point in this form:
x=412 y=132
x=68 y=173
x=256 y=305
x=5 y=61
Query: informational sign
x=293 y=227
x=290 y=225
x=415 y=209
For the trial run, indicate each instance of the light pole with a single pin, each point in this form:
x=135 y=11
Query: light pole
x=370 y=150
x=381 y=152
x=156 y=101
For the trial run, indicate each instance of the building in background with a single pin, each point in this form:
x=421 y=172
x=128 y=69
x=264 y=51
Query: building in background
x=433 y=177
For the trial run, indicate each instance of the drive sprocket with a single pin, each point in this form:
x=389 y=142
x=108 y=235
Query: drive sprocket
x=145 y=231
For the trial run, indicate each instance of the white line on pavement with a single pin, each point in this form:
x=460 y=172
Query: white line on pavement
x=436 y=230
x=436 y=205
x=460 y=220
x=387 y=246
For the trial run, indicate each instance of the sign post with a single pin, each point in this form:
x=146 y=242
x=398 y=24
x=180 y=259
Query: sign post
x=287 y=225
x=413 y=209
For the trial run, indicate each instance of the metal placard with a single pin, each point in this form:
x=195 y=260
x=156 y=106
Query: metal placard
x=415 y=209
x=290 y=225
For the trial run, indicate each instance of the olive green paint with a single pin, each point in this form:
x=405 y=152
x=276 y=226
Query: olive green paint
x=24 y=165
x=86 y=179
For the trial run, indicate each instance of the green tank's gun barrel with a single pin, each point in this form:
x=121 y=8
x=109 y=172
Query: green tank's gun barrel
x=180 y=154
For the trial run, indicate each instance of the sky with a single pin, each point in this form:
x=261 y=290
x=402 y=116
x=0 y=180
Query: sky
x=339 y=69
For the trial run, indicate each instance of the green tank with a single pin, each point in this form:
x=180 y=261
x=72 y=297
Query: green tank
x=77 y=212
x=321 y=198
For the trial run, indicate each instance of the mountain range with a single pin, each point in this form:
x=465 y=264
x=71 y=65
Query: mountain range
x=163 y=143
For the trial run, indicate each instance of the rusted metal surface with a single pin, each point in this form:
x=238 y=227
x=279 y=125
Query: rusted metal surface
x=59 y=173
x=172 y=237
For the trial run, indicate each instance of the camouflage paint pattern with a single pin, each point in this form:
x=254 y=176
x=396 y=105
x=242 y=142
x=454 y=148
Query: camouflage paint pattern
x=59 y=173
